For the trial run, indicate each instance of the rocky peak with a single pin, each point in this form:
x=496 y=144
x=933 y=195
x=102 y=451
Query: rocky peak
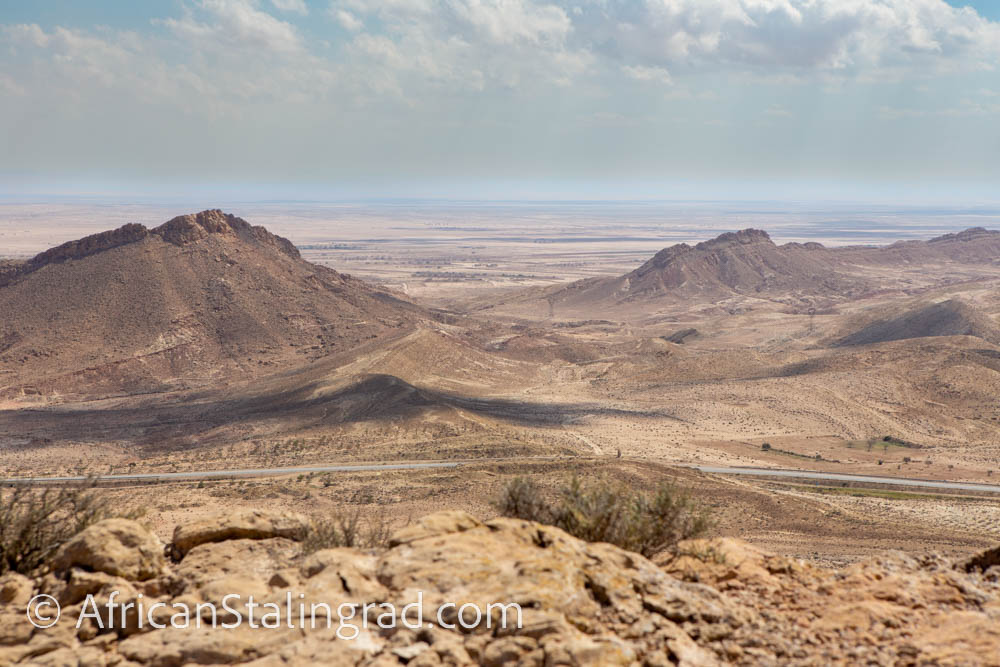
x=682 y=253
x=969 y=234
x=743 y=237
x=185 y=229
x=182 y=230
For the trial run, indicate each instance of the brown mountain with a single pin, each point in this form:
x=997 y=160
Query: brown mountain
x=975 y=245
x=749 y=263
x=200 y=298
x=947 y=318
x=745 y=262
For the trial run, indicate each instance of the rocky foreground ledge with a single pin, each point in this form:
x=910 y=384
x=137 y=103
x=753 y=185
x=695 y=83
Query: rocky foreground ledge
x=718 y=602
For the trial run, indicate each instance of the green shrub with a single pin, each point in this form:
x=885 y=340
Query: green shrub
x=647 y=523
x=34 y=523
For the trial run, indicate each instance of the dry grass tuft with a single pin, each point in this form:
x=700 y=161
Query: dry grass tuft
x=35 y=523
x=347 y=530
x=647 y=523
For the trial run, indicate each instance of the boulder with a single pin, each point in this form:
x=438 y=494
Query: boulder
x=246 y=524
x=435 y=525
x=119 y=547
x=15 y=589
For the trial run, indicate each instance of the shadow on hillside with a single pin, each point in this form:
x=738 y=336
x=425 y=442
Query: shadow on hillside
x=209 y=416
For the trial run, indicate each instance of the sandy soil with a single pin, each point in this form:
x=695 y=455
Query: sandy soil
x=519 y=382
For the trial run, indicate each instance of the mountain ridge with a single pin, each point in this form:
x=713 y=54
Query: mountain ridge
x=749 y=263
x=180 y=230
x=204 y=295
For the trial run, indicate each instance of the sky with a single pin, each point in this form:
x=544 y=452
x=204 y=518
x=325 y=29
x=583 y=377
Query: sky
x=889 y=100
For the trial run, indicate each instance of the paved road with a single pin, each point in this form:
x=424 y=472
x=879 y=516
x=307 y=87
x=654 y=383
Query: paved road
x=249 y=472
x=267 y=472
x=840 y=477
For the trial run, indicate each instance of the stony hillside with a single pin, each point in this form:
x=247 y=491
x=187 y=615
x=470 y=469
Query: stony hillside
x=718 y=602
x=946 y=318
x=975 y=245
x=748 y=263
x=200 y=298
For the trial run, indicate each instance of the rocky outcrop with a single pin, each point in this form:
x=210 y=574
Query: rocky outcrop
x=88 y=245
x=244 y=524
x=186 y=229
x=893 y=610
x=714 y=602
x=745 y=262
x=119 y=547
x=182 y=230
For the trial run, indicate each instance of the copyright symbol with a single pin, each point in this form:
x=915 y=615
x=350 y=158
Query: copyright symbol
x=43 y=611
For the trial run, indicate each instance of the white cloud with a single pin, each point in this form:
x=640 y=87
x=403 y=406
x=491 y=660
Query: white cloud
x=77 y=56
x=347 y=20
x=831 y=36
x=239 y=24
x=297 y=6
x=469 y=45
x=473 y=87
x=415 y=50
x=22 y=34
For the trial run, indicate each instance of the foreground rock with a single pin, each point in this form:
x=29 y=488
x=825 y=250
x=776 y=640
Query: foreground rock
x=718 y=602
x=118 y=547
x=243 y=524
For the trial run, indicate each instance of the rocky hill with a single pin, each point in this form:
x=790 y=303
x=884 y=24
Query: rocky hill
x=715 y=602
x=746 y=262
x=975 y=245
x=946 y=318
x=749 y=263
x=200 y=298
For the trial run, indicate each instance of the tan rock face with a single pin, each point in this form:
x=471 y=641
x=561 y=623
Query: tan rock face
x=433 y=525
x=247 y=524
x=119 y=547
x=716 y=602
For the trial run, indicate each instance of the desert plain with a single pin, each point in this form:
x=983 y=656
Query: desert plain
x=637 y=342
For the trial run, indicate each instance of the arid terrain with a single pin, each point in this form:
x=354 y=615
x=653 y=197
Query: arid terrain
x=632 y=350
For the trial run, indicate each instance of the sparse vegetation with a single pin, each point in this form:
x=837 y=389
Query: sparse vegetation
x=647 y=523
x=35 y=523
x=768 y=447
x=347 y=530
x=892 y=441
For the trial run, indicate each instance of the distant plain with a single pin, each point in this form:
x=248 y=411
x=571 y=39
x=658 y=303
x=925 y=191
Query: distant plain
x=537 y=384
